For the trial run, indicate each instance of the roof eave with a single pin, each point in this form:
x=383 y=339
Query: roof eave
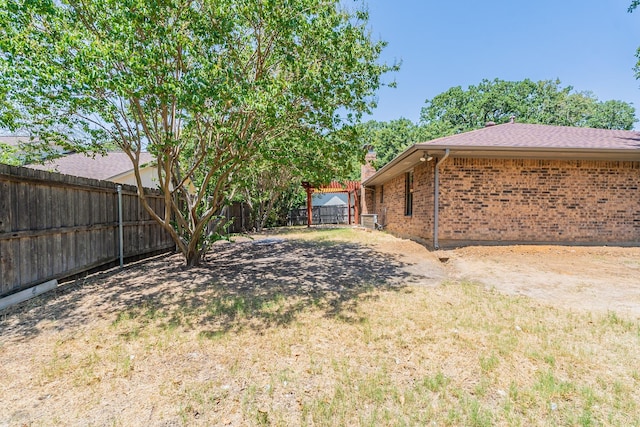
x=390 y=167
x=411 y=157
x=119 y=175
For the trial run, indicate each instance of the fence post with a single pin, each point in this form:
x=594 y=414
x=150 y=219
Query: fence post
x=120 y=230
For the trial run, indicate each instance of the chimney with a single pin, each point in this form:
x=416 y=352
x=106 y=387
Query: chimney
x=367 y=198
x=367 y=170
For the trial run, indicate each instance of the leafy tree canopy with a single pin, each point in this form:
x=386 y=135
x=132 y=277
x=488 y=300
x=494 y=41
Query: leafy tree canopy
x=389 y=139
x=544 y=102
x=634 y=5
x=204 y=85
x=9 y=155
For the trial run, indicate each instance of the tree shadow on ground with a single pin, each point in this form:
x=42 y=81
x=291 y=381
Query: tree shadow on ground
x=257 y=284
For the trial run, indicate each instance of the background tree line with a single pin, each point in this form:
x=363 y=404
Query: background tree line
x=460 y=110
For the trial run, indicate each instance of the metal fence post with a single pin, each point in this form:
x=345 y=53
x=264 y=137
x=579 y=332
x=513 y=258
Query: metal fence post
x=120 y=229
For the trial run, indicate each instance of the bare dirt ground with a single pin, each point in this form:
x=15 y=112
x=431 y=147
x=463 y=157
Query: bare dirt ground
x=576 y=277
x=591 y=278
x=49 y=331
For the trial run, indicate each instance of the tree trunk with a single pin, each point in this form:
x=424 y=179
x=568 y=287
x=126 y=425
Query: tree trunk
x=193 y=257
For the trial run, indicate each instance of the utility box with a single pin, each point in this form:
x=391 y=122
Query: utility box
x=369 y=221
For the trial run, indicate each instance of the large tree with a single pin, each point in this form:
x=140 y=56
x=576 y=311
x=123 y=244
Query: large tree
x=270 y=182
x=544 y=102
x=204 y=85
x=389 y=139
x=459 y=110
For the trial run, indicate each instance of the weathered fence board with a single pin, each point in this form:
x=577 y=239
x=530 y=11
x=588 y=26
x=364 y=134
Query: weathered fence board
x=54 y=226
x=238 y=217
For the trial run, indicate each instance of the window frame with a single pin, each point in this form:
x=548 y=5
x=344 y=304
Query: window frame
x=408 y=194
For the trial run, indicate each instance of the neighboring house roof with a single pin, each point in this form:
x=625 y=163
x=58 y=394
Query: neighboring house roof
x=18 y=141
x=520 y=140
x=13 y=140
x=99 y=167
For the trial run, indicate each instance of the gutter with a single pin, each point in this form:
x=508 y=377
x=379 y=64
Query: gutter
x=436 y=195
x=389 y=166
x=396 y=167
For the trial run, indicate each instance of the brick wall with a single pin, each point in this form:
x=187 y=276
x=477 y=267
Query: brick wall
x=391 y=209
x=540 y=200
x=520 y=200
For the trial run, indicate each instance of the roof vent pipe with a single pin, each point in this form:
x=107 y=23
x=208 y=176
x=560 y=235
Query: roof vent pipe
x=512 y=119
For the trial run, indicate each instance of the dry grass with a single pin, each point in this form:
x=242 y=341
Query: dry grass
x=367 y=351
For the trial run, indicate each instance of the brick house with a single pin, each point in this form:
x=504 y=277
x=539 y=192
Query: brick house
x=513 y=183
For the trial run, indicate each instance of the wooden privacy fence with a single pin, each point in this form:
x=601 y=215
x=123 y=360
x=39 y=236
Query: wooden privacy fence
x=54 y=226
x=238 y=216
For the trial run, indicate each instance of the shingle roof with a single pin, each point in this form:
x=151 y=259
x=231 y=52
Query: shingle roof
x=98 y=167
x=543 y=136
x=519 y=140
x=13 y=140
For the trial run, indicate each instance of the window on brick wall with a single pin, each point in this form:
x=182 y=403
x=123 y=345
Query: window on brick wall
x=382 y=194
x=408 y=194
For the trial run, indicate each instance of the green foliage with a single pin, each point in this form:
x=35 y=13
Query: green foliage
x=390 y=138
x=205 y=86
x=460 y=110
x=632 y=7
x=270 y=183
x=544 y=102
x=9 y=155
x=612 y=115
x=292 y=198
x=269 y=189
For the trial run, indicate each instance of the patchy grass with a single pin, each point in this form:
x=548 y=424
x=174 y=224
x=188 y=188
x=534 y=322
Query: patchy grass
x=453 y=354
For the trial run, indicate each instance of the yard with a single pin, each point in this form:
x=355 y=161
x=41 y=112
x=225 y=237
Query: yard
x=334 y=327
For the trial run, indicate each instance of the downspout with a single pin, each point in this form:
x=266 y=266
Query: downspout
x=436 y=194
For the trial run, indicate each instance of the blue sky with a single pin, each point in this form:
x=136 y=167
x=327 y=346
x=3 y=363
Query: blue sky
x=588 y=44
